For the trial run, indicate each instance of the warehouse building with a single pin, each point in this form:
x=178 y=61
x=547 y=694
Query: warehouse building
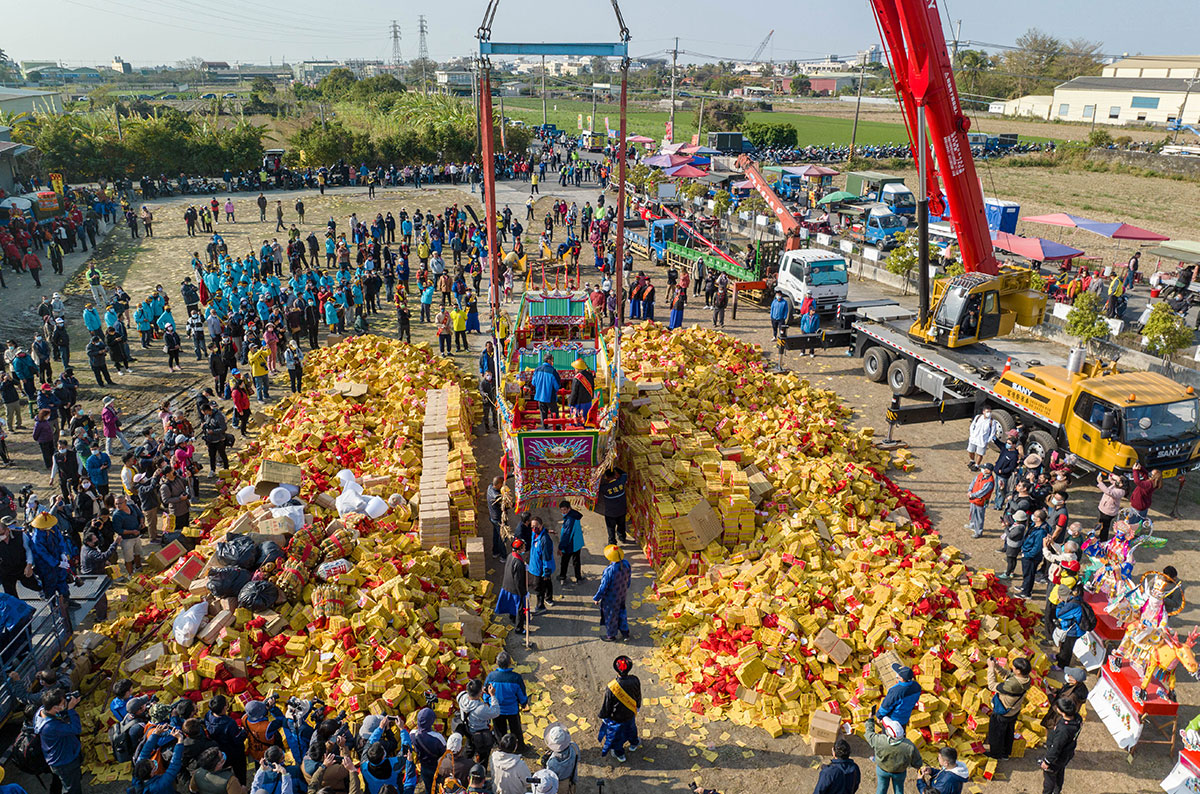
x=1128 y=100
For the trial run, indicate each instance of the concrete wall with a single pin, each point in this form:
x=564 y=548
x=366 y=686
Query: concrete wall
x=1170 y=164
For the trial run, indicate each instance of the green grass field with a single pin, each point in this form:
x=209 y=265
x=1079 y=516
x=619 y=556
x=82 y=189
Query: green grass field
x=810 y=130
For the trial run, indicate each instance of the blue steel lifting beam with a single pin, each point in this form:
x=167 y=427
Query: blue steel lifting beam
x=487 y=48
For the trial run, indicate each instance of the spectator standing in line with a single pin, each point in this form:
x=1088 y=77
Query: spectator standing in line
x=613 y=505
x=495 y=502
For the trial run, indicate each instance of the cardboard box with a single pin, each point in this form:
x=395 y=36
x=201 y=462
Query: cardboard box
x=165 y=557
x=702 y=527
x=273 y=473
x=145 y=658
x=193 y=569
x=833 y=646
x=881 y=666
x=823 y=729
x=211 y=630
x=236 y=668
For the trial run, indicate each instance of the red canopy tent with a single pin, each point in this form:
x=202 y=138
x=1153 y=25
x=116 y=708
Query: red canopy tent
x=685 y=171
x=1116 y=231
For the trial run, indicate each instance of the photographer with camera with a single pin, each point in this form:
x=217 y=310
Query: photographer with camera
x=58 y=726
x=264 y=726
x=477 y=707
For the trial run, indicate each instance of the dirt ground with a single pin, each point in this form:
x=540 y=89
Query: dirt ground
x=567 y=657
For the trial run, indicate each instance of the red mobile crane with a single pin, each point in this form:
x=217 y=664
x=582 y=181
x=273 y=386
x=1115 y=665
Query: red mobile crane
x=787 y=221
x=923 y=77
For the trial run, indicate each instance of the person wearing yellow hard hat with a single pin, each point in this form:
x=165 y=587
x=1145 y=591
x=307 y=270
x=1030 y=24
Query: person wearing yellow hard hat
x=583 y=385
x=610 y=595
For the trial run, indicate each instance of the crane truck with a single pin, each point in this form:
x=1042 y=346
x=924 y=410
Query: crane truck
x=1107 y=418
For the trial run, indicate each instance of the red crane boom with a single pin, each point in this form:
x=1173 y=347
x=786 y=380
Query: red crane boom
x=787 y=221
x=923 y=76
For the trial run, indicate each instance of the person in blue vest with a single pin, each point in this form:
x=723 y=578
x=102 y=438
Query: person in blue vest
x=570 y=541
x=901 y=697
x=546 y=384
x=508 y=692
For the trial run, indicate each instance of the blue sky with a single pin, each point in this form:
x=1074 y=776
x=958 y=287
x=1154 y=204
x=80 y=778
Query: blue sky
x=147 y=32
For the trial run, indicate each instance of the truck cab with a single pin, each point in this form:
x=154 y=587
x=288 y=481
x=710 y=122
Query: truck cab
x=878 y=226
x=899 y=199
x=814 y=273
x=1110 y=419
x=594 y=141
x=651 y=241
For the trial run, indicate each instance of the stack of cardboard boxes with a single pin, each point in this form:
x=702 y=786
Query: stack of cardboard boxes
x=820 y=579
x=359 y=648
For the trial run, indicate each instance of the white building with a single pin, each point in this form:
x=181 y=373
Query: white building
x=1183 y=66
x=1128 y=100
x=313 y=71
x=454 y=81
x=1035 y=105
x=872 y=54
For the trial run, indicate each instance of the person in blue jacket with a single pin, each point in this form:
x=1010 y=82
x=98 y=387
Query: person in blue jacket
x=901 y=697
x=841 y=775
x=121 y=695
x=541 y=565
x=91 y=318
x=779 y=315
x=508 y=692
x=58 y=726
x=810 y=324
x=948 y=779
x=546 y=384
x=570 y=541
x=379 y=770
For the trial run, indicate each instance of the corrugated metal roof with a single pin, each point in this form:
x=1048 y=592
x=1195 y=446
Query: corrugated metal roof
x=13 y=148
x=1160 y=85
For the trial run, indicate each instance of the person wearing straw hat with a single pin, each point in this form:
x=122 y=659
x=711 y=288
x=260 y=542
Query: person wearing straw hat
x=610 y=595
x=583 y=386
x=52 y=552
x=618 y=712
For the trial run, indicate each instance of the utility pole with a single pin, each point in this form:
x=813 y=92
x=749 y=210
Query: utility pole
x=593 y=124
x=543 y=91
x=862 y=73
x=700 y=123
x=1179 y=116
x=117 y=118
x=503 y=143
x=475 y=97
x=922 y=221
x=954 y=43
x=674 y=58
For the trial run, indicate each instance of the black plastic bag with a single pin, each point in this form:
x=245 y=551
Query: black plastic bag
x=238 y=550
x=258 y=596
x=269 y=551
x=227 y=582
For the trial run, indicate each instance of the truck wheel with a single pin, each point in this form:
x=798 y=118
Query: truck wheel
x=875 y=364
x=1005 y=419
x=1039 y=443
x=900 y=377
x=653 y=257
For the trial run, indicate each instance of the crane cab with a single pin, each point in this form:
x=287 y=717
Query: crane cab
x=974 y=307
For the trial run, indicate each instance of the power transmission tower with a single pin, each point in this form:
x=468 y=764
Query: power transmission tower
x=423 y=50
x=395 y=44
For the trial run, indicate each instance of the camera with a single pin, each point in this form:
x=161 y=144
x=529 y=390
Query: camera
x=74 y=695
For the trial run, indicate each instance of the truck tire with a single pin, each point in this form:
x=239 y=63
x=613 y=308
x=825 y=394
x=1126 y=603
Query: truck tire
x=654 y=257
x=1040 y=443
x=1006 y=420
x=875 y=363
x=900 y=376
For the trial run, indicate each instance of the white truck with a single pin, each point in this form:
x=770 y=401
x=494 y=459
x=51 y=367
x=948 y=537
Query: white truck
x=815 y=273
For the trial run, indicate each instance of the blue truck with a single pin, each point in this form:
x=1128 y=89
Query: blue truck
x=651 y=240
